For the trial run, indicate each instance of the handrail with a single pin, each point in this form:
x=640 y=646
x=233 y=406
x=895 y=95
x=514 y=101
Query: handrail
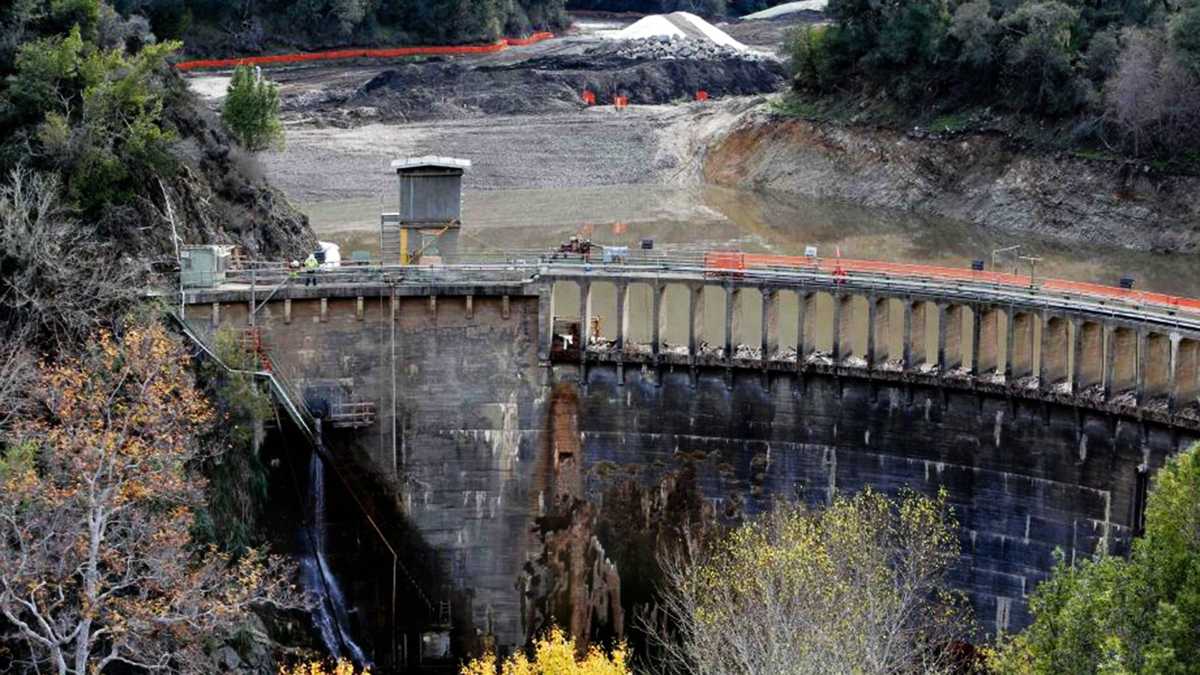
x=281 y=392
x=524 y=266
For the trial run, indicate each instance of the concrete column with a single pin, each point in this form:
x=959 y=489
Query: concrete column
x=1139 y=366
x=805 y=336
x=287 y=310
x=1172 y=372
x=836 y=343
x=950 y=344
x=770 y=323
x=918 y=343
x=622 y=290
x=976 y=333
x=872 y=318
x=215 y=315
x=987 y=340
x=360 y=309
x=1159 y=364
x=433 y=306
x=906 y=335
x=656 y=319
x=730 y=297
x=1123 y=361
x=585 y=317
x=846 y=328
x=695 y=317
x=883 y=331
x=1109 y=359
x=324 y=310
x=505 y=307
x=545 y=319
x=1021 y=344
x=1056 y=350
x=470 y=306
x=1187 y=377
x=1089 y=355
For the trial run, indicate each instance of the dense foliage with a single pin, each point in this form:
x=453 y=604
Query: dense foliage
x=1115 y=74
x=84 y=96
x=858 y=587
x=1117 y=615
x=260 y=24
x=554 y=653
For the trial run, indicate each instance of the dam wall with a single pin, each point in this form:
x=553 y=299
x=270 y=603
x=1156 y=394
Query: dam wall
x=543 y=481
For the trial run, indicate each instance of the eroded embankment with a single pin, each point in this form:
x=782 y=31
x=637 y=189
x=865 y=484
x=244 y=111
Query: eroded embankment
x=981 y=179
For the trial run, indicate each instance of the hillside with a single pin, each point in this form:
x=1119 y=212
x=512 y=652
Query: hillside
x=1113 y=79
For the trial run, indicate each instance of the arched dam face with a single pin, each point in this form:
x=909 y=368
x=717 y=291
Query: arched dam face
x=542 y=481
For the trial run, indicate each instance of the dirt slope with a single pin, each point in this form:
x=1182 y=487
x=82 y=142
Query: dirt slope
x=979 y=179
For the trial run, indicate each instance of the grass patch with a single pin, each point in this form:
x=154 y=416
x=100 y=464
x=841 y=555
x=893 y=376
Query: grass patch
x=949 y=124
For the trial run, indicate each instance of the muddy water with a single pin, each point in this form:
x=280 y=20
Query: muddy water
x=694 y=219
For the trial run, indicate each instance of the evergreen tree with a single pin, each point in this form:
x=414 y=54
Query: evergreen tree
x=251 y=110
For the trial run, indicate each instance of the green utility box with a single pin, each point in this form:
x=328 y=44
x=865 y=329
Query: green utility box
x=203 y=266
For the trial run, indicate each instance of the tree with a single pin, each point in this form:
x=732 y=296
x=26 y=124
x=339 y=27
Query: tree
x=1040 y=57
x=97 y=566
x=554 y=654
x=977 y=33
x=811 y=59
x=1109 y=614
x=57 y=285
x=858 y=587
x=251 y=110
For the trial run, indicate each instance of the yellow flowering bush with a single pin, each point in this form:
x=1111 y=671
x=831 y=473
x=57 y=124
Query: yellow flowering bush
x=554 y=654
x=343 y=667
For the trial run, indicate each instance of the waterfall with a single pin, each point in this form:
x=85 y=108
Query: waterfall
x=330 y=613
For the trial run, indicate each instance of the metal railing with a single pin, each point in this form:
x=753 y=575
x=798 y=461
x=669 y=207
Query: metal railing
x=523 y=266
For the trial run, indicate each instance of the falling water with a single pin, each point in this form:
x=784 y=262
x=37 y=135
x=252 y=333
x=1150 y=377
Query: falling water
x=329 y=614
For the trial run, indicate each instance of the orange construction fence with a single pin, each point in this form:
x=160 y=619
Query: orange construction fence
x=702 y=95
x=726 y=260
x=339 y=54
x=589 y=97
x=621 y=102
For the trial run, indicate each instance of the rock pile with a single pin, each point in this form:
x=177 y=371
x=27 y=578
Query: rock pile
x=669 y=48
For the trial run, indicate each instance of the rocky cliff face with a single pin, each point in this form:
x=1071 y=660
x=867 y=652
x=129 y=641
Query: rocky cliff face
x=976 y=178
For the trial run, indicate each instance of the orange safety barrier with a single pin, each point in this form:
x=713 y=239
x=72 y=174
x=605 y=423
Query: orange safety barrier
x=589 y=97
x=725 y=260
x=621 y=102
x=340 y=54
x=702 y=95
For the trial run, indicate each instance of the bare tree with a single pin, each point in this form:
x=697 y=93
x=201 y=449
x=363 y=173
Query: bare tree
x=58 y=283
x=859 y=587
x=1153 y=98
x=97 y=566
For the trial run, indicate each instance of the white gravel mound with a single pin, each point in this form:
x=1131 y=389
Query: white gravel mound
x=788 y=8
x=675 y=25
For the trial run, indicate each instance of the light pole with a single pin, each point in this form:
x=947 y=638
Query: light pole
x=1033 y=261
x=1006 y=249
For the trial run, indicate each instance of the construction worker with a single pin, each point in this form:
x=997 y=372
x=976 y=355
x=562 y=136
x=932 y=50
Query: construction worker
x=310 y=270
x=293 y=271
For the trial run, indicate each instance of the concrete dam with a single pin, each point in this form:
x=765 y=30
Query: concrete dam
x=539 y=459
